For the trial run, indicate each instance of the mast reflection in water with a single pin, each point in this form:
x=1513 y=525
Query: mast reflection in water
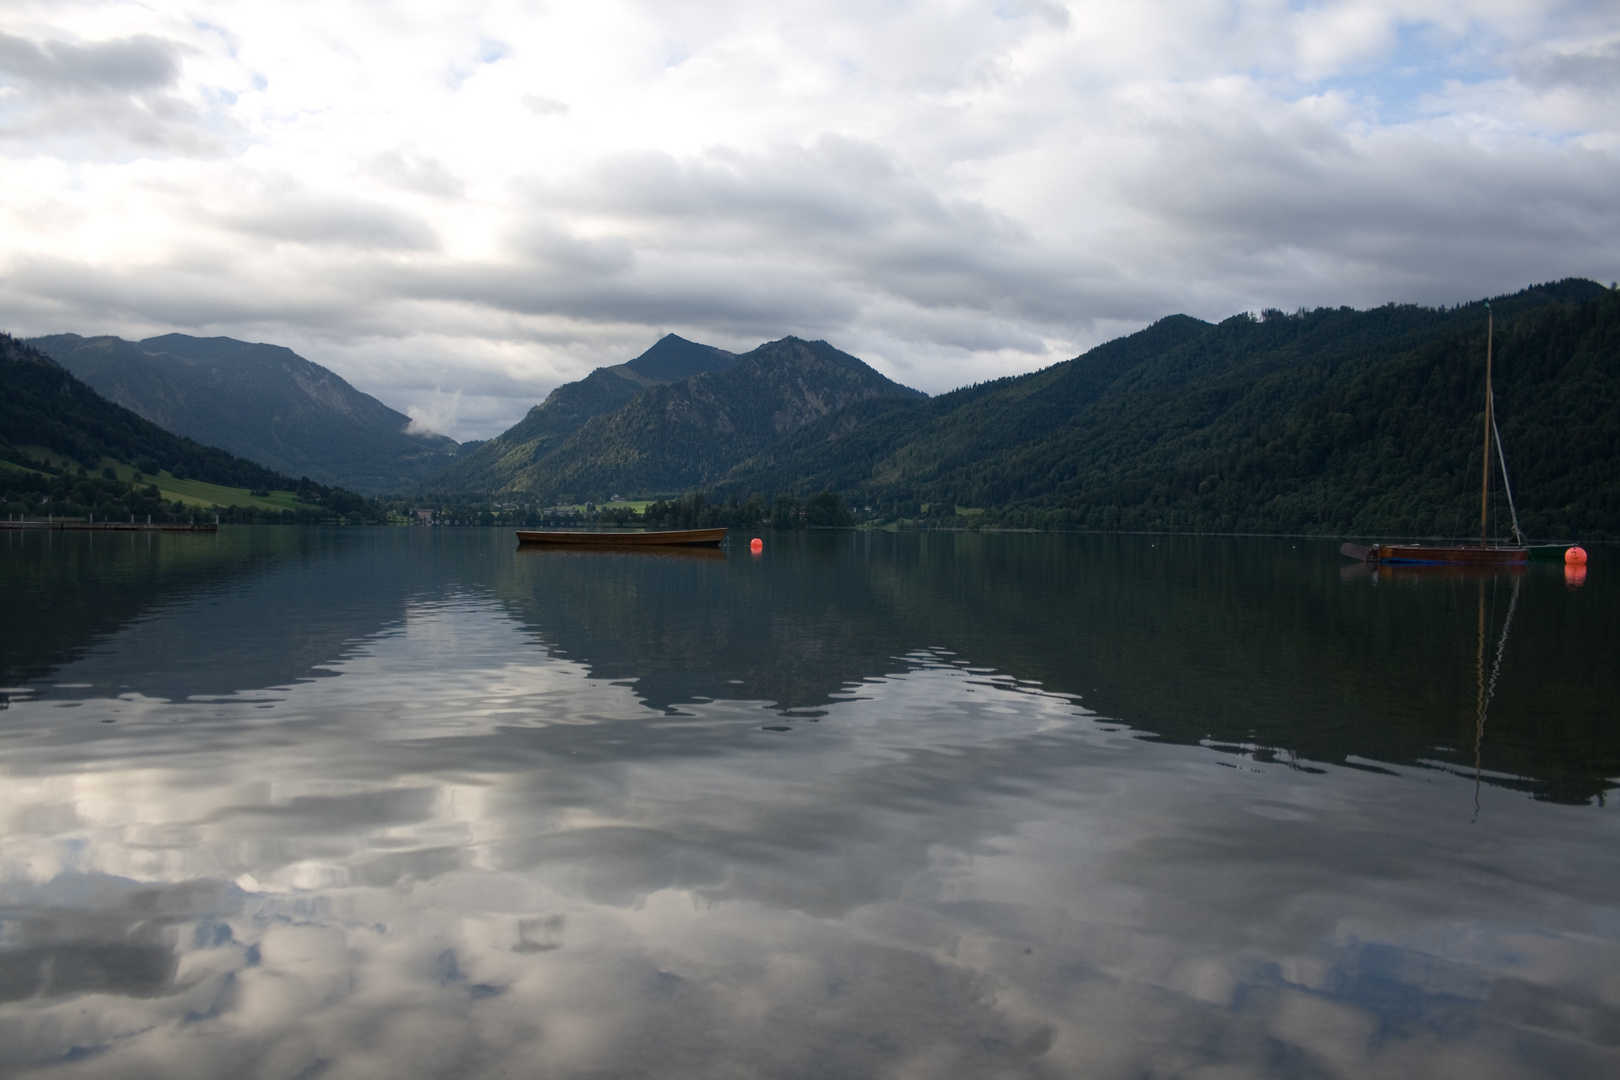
x=414 y=803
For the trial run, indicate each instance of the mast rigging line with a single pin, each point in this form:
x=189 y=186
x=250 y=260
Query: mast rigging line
x=1507 y=485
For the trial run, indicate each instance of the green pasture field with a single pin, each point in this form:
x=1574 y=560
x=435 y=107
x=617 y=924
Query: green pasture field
x=201 y=493
x=14 y=467
x=196 y=493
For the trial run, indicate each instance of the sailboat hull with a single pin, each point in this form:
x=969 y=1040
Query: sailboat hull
x=1437 y=554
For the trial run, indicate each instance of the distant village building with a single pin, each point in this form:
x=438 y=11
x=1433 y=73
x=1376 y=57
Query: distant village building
x=424 y=516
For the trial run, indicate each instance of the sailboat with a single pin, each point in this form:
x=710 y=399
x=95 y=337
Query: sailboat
x=1484 y=553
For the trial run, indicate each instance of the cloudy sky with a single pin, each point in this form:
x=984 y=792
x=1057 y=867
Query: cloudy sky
x=457 y=206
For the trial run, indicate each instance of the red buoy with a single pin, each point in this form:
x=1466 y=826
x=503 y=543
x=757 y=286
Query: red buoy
x=1575 y=556
x=756 y=545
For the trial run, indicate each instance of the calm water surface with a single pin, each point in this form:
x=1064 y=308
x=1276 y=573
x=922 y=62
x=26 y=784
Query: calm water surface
x=415 y=803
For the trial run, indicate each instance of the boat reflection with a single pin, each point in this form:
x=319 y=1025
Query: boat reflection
x=1487 y=687
x=667 y=552
x=1365 y=571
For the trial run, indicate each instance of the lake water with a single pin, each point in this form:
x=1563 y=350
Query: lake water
x=415 y=803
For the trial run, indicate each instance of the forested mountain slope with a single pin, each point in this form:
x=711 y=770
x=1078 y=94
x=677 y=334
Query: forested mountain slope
x=1333 y=420
x=43 y=407
x=691 y=433
x=565 y=410
x=838 y=452
x=42 y=404
x=262 y=402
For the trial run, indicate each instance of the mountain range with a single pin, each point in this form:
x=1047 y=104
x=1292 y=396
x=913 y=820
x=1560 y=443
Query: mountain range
x=261 y=402
x=1331 y=420
x=493 y=464
x=679 y=416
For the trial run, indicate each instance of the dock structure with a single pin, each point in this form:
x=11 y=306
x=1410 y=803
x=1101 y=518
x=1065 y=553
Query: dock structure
x=111 y=526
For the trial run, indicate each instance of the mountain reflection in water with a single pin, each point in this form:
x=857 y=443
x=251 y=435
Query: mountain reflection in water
x=414 y=803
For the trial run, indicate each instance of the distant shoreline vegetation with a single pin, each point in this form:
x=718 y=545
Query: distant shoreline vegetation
x=825 y=510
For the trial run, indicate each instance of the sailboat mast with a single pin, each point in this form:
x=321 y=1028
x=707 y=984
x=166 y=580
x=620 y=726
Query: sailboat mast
x=1485 y=472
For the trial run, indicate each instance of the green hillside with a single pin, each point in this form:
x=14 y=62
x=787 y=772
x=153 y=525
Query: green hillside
x=261 y=402
x=68 y=452
x=1333 y=420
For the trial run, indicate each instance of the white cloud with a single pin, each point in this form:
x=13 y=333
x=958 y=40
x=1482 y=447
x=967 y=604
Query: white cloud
x=438 y=415
x=490 y=199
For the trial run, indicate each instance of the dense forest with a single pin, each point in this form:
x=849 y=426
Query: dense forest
x=42 y=406
x=1326 y=421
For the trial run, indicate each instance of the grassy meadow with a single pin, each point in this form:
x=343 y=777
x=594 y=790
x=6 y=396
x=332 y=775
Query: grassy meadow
x=198 y=493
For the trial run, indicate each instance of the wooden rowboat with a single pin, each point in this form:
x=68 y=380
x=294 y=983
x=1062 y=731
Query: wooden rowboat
x=666 y=538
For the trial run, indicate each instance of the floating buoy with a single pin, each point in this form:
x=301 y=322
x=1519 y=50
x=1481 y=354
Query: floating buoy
x=756 y=545
x=1575 y=556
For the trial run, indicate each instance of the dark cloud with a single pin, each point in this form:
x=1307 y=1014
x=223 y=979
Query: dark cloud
x=799 y=239
x=82 y=99
x=416 y=172
x=128 y=65
x=1304 y=215
x=334 y=220
x=1596 y=71
x=836 y=186
x=558 y=249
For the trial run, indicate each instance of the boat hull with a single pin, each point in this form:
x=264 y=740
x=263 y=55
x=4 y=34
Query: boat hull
x=666 y=538
x=1438 y=555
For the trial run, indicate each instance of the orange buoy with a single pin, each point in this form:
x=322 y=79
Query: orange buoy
x=756 y=545
x=1575 y=556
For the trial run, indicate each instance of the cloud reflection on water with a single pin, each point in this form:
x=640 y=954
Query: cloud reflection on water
x=462 y=856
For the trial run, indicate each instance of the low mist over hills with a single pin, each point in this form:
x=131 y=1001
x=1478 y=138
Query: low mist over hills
x=669 y=436
x=262 y=402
